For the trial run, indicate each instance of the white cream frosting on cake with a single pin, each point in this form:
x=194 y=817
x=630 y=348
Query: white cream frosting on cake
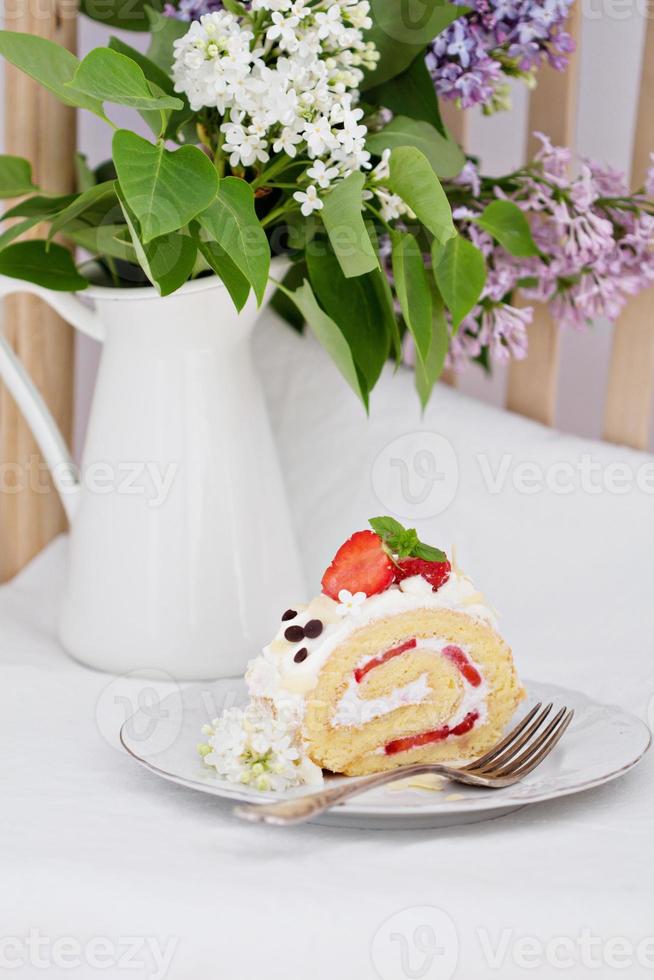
x=275 y=674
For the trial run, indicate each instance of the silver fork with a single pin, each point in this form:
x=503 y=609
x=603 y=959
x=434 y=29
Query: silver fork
x=506 y=763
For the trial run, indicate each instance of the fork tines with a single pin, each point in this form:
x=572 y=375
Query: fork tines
x=525 y=746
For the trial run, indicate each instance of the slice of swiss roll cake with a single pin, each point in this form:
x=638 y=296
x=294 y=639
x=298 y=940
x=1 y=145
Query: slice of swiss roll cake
x=397 y=661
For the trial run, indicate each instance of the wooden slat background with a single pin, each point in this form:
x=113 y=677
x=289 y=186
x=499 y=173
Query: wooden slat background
x=631 y=375
x=532 y=384
x=37 y=127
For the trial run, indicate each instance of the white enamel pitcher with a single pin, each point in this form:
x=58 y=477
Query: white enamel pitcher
x=182 y=554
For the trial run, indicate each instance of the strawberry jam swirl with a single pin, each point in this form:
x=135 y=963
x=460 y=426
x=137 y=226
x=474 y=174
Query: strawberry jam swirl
x=354 y=709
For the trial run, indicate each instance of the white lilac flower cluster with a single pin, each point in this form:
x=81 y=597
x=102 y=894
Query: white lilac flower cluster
x=259 y=746
x=284 y=77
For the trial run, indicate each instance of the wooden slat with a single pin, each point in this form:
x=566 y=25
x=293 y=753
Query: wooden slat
x=631 y=373
x=40 y=128
x=532 y=383
x=457 y=122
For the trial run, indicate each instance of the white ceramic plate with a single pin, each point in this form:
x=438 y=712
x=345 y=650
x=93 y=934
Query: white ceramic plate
x=602 y=743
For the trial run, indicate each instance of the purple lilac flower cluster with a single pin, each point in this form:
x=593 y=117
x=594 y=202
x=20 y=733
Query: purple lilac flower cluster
x=597 y=249
x=191 y=9
x=470 y=59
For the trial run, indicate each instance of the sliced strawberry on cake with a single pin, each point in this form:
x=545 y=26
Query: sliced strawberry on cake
x=360 y=565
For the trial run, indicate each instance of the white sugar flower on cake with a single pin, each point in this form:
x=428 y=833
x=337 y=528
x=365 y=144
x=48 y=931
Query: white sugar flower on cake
x=397 y=661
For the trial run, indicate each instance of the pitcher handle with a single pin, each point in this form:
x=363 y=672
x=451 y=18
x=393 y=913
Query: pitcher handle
x=29 y=399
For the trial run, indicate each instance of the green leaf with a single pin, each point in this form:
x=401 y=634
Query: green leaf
x=130 y=15
x=386 y=527
x=410 y=94
x=329 y=335
x=99 y=192
x=428 y=553
x=164 y=188
x=460 y=272
x=16 y=230
x=507 y=224
x=428 y=373
x=355 y=305
x=445 y=156
x=401 y=29
x=15 y=176
x=84 y=176
x=413 y=178
x=235 y=282
x=150 y=69
x=282 y=305
x=413 y=289
x=379 y=280
x=159 y=80
x=342 y=217
x=104 y=240
x=109 y=76
x=403 y=542
x=231 y=221
x=167 y=260
x=165 y=31
x=34 y=261
x=49 y=64
x=39 y=205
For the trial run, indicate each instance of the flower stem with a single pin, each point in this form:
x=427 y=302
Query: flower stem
x=278 y=213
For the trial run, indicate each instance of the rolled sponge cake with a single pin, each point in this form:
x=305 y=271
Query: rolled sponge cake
x=425 y=685
x=409 y=675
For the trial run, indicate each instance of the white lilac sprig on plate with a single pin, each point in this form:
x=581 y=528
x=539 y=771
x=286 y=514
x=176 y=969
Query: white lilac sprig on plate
x=259 y=746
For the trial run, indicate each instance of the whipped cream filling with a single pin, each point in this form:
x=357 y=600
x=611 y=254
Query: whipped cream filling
x=278 y=676
x=354 y=710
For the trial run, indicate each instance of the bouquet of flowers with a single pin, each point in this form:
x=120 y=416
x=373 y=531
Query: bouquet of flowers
x=310 y=130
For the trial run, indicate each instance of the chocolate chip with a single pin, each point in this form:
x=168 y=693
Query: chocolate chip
x=294 y=634
x=313 y=628
x=301 y=655
x=289 y=614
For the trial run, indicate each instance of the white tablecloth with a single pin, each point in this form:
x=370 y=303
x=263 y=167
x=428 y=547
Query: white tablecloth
x=105 y=865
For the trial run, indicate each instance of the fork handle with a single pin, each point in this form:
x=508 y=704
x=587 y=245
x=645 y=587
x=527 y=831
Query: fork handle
x=303 y=808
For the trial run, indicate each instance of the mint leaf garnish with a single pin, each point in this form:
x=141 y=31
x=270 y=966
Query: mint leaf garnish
x=401 y=542
x=386 y=526
x=429 y=553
